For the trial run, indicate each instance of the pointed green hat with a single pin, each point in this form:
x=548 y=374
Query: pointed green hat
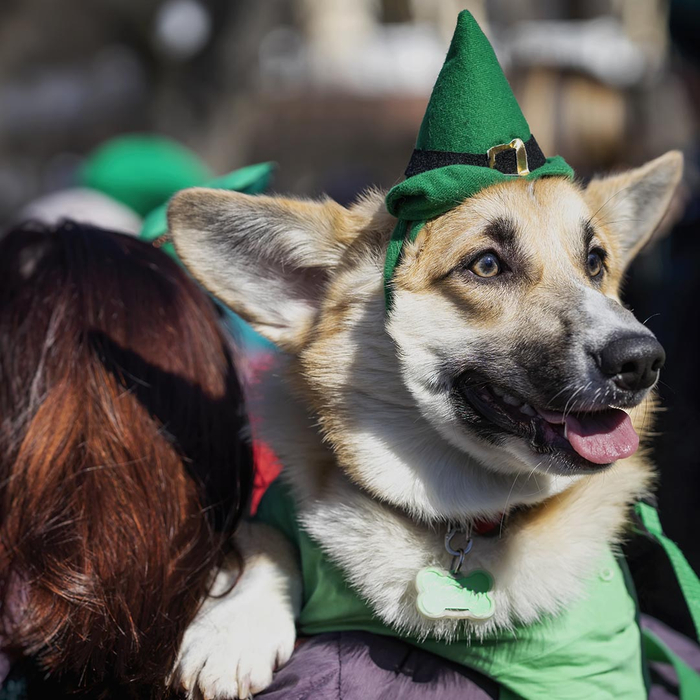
x=473 y=135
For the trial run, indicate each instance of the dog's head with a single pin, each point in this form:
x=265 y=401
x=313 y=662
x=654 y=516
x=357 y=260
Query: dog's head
x=506 y=337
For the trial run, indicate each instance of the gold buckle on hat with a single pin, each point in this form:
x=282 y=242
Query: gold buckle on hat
x=520 y=155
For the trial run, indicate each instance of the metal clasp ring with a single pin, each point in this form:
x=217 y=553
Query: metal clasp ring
x=458 y=554
x=516 y=145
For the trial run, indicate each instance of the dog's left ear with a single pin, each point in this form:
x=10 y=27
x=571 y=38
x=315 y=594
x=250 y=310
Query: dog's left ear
x=268 y=258
x=633 y=203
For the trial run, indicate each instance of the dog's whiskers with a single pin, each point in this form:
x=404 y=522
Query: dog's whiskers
x=572 y=397
x=505 y=509
x=570 y=385
x=668 y=386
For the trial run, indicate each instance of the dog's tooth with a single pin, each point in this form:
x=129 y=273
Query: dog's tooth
x=528 y=410
x=497 y=391
x=511 y=400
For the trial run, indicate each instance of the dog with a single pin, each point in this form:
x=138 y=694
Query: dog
x=476 y=396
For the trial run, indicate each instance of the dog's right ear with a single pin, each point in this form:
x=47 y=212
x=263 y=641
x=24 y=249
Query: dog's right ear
x=268 y=258
x=634 y=202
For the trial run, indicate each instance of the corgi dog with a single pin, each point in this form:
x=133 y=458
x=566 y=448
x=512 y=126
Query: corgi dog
x=507 y=383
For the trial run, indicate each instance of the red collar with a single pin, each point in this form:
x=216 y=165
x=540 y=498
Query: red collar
x=486 y=528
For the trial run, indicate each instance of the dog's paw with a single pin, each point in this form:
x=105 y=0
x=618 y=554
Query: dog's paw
x=242 y=633
x=232 y=650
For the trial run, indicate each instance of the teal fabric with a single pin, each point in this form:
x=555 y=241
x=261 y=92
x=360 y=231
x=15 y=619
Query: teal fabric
x=243 y=333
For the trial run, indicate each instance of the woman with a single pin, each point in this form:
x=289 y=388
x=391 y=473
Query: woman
x=125 y=462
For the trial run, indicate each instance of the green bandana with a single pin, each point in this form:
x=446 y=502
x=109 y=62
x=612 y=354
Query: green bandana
x=592 y=651
x=473 y=135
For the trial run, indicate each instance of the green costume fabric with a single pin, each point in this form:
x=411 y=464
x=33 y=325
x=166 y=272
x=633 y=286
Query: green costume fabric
x=593 y=650
x=655 y=649
x=142 y=170
x=253 y=179
x=688 y=678
x=687 y=579
x=471 y=110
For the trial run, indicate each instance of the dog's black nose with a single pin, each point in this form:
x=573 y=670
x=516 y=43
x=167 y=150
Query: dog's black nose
x=634 y=362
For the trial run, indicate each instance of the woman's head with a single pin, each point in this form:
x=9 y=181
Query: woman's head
x=124 y=454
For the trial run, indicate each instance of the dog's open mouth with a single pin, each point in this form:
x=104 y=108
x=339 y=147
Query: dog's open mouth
x=591 y=438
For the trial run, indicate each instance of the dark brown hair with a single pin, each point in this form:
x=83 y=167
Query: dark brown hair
x=125 y=461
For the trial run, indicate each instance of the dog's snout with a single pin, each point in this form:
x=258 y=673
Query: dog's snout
x=633 y=362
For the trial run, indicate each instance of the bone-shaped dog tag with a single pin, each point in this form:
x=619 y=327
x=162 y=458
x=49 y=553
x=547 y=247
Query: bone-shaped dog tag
x=442 y=594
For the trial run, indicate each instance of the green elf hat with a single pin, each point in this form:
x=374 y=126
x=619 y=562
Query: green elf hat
x=473 y=135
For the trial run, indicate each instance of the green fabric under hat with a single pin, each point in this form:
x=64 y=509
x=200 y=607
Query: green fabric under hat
x=473 y=135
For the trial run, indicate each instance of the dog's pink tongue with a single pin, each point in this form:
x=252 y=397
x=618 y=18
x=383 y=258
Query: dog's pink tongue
x=602 y=437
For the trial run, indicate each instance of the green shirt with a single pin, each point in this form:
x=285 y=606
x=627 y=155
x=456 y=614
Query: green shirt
x=590 y=651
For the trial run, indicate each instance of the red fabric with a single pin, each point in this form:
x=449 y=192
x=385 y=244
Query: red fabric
x=486 y=527
x=267 y=467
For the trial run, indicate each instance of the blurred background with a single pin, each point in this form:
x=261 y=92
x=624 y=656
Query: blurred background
x=333 y=92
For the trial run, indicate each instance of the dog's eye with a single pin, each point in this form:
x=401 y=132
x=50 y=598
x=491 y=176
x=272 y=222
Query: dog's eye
x=594 y=263
x=487 y=265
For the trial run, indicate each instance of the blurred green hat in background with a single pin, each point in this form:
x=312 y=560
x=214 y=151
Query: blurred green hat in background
x=142 y=170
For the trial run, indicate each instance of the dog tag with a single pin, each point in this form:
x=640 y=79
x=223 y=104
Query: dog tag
x=442 y=594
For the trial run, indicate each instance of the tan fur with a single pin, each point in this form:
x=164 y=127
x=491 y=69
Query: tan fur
x=358 y=411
